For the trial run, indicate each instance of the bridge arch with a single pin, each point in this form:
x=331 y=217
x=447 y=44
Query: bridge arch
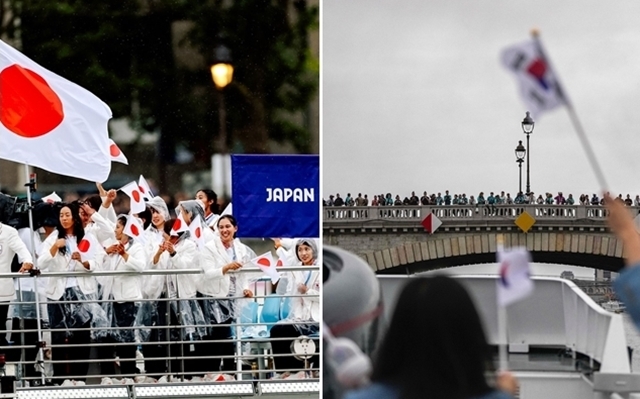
x=396 y=244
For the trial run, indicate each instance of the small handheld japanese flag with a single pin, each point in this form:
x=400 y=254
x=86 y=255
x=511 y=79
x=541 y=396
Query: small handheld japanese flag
x=267 y=264
x=116 y=153
x=514 y=282
x=134 y=229
x=87 y=247
x=197 y=234
x=51 y=198
x=144 y=188
x=179 y=226
x=137 y=204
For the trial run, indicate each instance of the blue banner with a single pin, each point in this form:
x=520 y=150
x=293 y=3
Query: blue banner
x=276 y=195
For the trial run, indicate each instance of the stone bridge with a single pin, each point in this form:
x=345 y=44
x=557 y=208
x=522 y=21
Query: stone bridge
x=392 y=240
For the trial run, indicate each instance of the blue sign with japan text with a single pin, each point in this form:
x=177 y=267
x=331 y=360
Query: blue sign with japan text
x=276 y=195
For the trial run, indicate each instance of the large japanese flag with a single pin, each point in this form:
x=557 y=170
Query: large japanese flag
x=50 y=122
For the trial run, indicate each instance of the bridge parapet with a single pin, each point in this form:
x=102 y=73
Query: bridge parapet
x=464 y=216
x=392 y=239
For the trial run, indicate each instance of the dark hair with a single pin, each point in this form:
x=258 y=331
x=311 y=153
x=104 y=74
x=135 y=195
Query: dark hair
x=168 y=225
x=231 y=219
x=123 y=219
x=94 y=201
x=435 y=343
x=78 y=229
x=146 y=216
x=211 y=196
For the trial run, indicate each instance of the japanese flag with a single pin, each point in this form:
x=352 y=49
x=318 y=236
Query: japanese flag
x=514 y=282
x=50 y=122
x=134 y=228
x=116 y=153
x=51 y=198
x=179 y=225
x=144 y=188
x=197 y=233
x=87 y=247
x=267 y=264
x=137 y=204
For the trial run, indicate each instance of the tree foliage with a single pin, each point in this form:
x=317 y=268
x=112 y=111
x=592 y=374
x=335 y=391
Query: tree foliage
x=123 y=51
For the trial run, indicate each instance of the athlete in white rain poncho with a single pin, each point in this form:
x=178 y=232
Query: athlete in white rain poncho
x=174 y=292
x=216 y=289
x=304 y=309
x=59 y=254
x=119 y=295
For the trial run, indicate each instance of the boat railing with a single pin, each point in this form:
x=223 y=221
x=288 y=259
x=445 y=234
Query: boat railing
x=558 y=314
x=255 y=362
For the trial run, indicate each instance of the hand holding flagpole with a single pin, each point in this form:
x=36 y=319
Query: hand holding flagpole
x=502 y=318
x=514 y=284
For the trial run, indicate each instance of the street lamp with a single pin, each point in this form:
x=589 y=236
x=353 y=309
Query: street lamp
x=222 y=75
x=520 y=153
x=527 y=128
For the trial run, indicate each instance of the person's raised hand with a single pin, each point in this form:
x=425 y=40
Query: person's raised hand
x=507 y=382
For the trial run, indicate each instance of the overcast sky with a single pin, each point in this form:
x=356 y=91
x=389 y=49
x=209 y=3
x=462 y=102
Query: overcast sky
x=415 y=98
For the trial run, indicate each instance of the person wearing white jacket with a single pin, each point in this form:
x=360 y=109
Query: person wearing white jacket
x=220 y=257
x=10 y=245
x=65 y=318
x=124 y=255
x=305 y=307
x=209 y=199
x=175 y=252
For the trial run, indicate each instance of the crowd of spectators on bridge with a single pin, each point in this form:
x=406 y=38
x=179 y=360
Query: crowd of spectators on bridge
x=462 y=199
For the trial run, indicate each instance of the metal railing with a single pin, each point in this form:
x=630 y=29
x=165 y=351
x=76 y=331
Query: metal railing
x=363 y=214
x=253 y=357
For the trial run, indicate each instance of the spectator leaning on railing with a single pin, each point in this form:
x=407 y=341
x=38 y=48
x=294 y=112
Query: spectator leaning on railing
x=462 y=199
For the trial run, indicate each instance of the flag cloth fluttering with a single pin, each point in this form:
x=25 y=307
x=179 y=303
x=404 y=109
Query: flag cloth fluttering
x=538 y=83
x=514 y=282
x=50 y=122
x=116 y=153
x=267 y=264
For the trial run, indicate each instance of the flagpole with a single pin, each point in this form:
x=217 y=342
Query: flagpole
x=31 y=186
x=591 y=156
x=502 y=320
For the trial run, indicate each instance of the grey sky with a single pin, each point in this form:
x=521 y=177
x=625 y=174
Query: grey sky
x=415 y=97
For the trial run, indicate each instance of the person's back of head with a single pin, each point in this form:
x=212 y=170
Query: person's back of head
x=435 y=346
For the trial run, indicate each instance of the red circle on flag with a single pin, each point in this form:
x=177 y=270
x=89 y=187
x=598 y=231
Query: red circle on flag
x=84 y=245
x=50 y=201
x=279 y=263
x=28 y=105
x=136 y=195
x=141 y=189
x=264 y=262
x=114 y=150
x=177 y=224
x=198 y=232
x=134 y=230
